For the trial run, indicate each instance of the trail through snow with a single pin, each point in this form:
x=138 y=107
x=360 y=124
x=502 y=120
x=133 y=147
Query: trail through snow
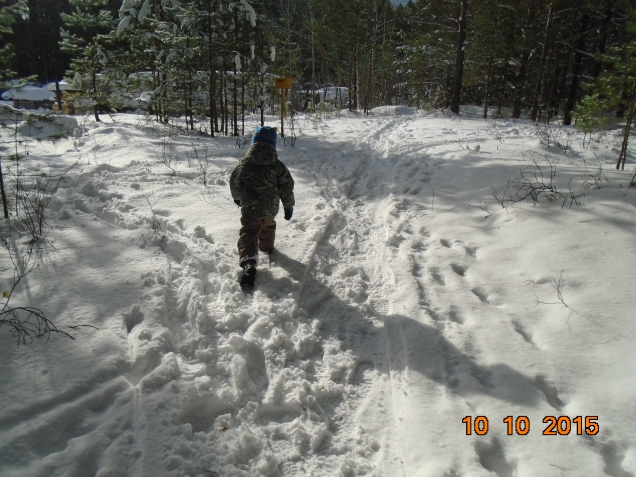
x=392 y=308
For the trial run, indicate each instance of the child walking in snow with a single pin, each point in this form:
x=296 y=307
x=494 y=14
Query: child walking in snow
x=258 y=183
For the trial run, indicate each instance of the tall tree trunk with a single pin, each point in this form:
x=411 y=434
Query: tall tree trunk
x=221 y=102
x=226 y=110
x=560 y=80
x=234 y=104
x=525 y=56
x=520 y=80
x=544 y=54
x=545 y=86
x=153 y=105
x=502 y=94
x=370 y=81
x=234 y=81
x=449 y=88
x=212 y=92
x=607 y=18
x=356 y=85
x=350 y=86
x=261 y=101
x=243 y=104
x=489 y=74
x=630 y=117
x=459 y=60
x=313 y=59
x=96 y=105
x=576 y=70
x=212 y=81
x=188 y=103
x=3 y=194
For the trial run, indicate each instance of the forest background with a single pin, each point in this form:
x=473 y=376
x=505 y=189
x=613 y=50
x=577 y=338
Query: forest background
x=214 y=60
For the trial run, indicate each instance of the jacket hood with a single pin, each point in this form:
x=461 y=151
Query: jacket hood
x=262 y=154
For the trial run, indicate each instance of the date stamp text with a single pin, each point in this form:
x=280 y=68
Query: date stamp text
x=554 y=426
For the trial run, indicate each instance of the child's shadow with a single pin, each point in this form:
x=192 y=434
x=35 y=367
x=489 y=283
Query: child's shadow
x=407 y=343
x=269 y=280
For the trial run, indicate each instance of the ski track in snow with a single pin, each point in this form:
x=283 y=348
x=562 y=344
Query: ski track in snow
x=332 y=367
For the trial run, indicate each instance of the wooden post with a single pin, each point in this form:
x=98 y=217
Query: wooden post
x=282 y=84
x=282 y=112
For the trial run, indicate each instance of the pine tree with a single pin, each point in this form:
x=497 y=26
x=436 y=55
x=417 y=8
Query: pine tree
x=86 y=38
x=614 y=90
x=7 y=17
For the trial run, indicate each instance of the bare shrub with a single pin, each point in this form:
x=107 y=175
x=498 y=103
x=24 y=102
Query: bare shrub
x=494 y=132
x=166 y=153
x=155 y=223
x=293 y=128
x=554 y=134
x=33 y=195
x=24 y=322
x=593 y=177
x=534 y=184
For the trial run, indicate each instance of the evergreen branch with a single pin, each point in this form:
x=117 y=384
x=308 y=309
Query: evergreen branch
x=454 y=15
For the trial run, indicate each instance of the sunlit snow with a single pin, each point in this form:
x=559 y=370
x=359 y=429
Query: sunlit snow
x=401 y=299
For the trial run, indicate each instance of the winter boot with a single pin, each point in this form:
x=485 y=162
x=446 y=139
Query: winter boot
x=249 y=274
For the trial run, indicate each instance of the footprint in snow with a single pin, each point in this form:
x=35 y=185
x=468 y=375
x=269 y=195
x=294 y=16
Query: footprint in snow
x=133 y=317
x=524 y=334
x=458 y=269
x=419 y=246
x=481 y=295
x=455 y=317
x=492 y=458
x=423 y=232
x=439 y=279
x=549 y=391
x=613 y=455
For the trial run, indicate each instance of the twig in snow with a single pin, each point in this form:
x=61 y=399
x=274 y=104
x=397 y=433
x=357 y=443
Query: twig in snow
x=166 y=153
x=494 y=132
x=25 y=322
x=211 y=471
x=483 y=207
x=558 y=285
x=34 y=325
x=83 y=326
x=155 y=225
x=131 y=274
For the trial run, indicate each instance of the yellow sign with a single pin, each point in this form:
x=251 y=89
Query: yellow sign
x=283 y=83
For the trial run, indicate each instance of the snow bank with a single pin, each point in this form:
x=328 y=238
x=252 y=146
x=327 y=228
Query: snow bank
x=393 y=110
x=52 y=126
x=31 y=93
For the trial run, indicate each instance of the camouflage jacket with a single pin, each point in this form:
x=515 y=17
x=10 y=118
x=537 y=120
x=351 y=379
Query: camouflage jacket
x=260 y=180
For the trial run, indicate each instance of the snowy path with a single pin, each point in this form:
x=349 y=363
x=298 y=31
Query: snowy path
x=390 y=311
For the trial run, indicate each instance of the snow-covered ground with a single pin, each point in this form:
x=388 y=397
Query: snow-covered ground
x=402 y=298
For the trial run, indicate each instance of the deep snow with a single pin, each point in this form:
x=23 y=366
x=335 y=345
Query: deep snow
x=401 y=299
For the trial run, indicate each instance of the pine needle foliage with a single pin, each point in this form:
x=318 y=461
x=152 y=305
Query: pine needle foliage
x=86 y=38
x=611 y=99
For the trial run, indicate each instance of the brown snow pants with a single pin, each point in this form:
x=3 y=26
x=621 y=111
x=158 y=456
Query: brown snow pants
x=255 y=235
